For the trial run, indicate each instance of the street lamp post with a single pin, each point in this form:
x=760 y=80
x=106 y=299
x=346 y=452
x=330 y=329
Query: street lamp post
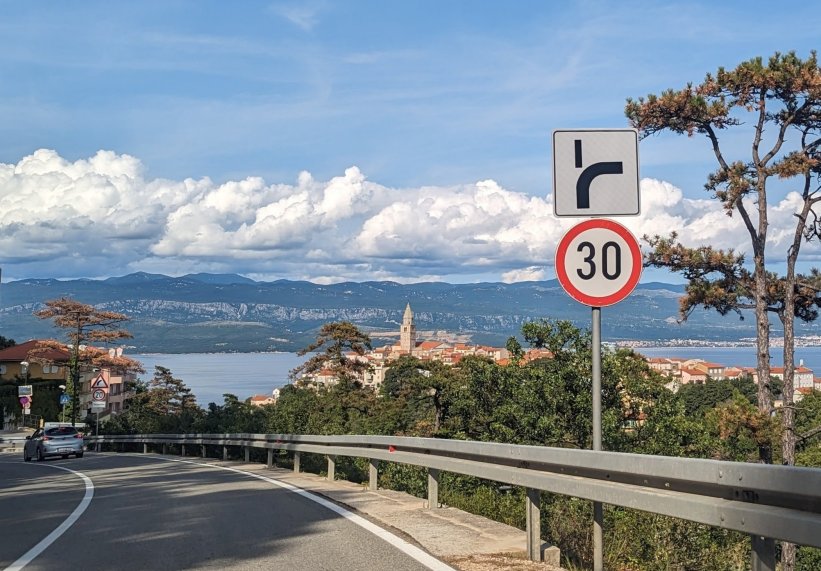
x=75 y=380
x=24 y=372
x=63 y=403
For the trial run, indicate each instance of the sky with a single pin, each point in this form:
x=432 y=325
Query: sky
x=349 y=141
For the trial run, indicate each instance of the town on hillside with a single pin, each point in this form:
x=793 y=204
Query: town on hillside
x=15 y=364
x=679 y=371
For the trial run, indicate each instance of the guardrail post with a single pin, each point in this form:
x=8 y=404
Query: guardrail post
x=296 y=462
x=762 y=557
x=224 y=453
x=534 y=524
x=247 y=453
x=373 y=474
x=182 y=450
x=331 y=467
x=165 y=448
x=270 y=458
x=145 y=447
x=433 y=488
x=598 y=536
x=203 y=450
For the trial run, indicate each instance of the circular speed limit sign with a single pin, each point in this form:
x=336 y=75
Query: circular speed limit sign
x=98 y=395
x=598 y=262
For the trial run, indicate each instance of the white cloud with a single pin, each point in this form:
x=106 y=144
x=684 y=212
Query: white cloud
x=304 y=15
x=530 y=274
x=100 y=216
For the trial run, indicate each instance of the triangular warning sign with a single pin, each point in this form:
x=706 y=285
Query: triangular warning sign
x=99 y=383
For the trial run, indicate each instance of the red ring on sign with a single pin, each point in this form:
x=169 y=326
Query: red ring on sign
x=635 y=252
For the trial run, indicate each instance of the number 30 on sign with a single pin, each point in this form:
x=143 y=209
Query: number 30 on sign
x=598 y=262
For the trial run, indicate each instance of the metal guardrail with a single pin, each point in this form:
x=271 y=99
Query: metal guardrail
x=768 y=502
x=12 y=443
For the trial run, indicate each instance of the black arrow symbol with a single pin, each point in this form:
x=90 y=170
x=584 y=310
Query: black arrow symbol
x=588 y=174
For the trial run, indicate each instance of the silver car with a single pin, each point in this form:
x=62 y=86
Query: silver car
x=54 y=441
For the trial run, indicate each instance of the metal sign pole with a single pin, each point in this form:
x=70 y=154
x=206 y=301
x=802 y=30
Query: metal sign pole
x=598 y=512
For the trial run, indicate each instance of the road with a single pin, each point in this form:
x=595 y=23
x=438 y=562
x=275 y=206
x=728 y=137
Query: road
x=145 y=512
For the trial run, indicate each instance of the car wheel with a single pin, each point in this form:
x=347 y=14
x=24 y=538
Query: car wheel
x=26 y=457
x=64 y=456
x=79 y=455
x=40 y=456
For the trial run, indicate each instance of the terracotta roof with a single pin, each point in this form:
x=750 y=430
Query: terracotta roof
x=18 y=353
x=534 y=354
x=693 y=372
x=780 y=370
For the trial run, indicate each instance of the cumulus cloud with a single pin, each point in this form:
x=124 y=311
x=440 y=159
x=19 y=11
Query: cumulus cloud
x=101 y=216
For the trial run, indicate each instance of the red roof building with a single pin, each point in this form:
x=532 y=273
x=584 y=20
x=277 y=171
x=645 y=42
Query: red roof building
x=12 y=361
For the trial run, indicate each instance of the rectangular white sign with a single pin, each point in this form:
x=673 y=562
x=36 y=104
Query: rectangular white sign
x=596 y=172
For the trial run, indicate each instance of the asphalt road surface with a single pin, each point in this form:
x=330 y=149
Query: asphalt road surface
x=143 y=512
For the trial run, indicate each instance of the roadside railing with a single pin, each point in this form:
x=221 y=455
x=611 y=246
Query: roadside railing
x=12 y=443
x=765 y=501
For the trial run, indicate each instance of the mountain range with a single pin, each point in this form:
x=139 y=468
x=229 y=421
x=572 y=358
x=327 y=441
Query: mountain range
x=232 y=313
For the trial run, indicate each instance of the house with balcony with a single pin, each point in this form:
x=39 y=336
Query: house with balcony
x=16 y=363
x=803 y=376
x=713 y=370
x=692 y=375
x=662 y=365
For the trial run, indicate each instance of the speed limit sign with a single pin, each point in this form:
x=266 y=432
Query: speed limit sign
x=598 y=262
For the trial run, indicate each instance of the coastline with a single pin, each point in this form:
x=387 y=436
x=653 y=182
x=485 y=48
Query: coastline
x=778 y=343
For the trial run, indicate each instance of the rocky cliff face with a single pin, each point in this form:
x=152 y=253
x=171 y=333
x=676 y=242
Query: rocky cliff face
x=231 y=313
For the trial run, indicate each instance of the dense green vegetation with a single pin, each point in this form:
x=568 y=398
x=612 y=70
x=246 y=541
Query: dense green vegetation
x=543 y=402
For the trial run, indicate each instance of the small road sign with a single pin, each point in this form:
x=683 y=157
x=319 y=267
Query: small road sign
x=598 y=262
x=98 y=395
x=99 y=383
x=65 y=399
x=596 y=172
x=25 y=401
x=97 y=406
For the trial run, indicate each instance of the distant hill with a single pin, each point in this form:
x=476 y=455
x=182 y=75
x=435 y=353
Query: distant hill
x=226 y=312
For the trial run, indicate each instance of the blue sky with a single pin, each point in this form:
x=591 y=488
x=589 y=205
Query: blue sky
x=425 y=127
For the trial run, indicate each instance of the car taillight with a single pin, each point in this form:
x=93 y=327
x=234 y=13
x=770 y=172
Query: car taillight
x=46 y=438
x=78 y=435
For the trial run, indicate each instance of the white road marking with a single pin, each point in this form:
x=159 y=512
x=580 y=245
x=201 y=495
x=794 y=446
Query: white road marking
x=407 y=548
x=29 y=555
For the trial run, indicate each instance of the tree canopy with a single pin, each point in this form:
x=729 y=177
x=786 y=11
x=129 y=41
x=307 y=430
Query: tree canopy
x=83 y=326
x=777 y=105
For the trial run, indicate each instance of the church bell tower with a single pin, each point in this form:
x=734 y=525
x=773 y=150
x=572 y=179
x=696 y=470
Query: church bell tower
x=407 y=334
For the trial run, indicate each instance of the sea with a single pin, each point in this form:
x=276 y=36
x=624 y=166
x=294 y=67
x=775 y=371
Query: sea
x=211 y=375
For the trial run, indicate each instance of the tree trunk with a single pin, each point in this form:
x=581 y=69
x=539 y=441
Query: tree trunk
x=788 y=551
x=762 y=350
x=439 y=413
x=788 y=407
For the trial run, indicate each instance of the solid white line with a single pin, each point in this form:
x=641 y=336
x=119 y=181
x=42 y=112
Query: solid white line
x=29 y=555
x=408 y=549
